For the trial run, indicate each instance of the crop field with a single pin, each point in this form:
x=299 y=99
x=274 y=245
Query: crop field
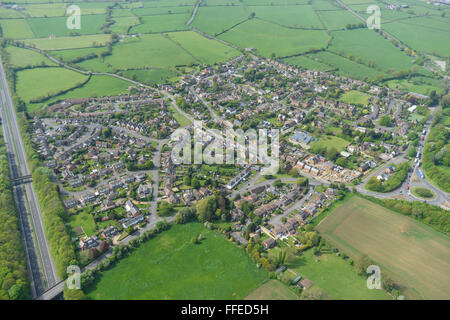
x=40 y=82
x=169 y=266
x=417 y=256
x=153 y=50
x=272 y=290
x=20 y=57
x=206 y=50
x=270 y=38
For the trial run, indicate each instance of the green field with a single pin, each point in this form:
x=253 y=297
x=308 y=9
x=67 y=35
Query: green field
x=355 y=97
x=270 y=38
x=20 y=57
x=272 y=290
x=214 y=20
x=423 y=193
x=171 y=267
x=60 y=43
x=40 y=82
x=56 y=26
x=331 y=141
x=161 y=23
x=16 y=29
x=97 y=86
x=306 y=62
x=154 y=50
x=296 y=16
x=417 y=256
x=84 y=220
x=206 y=50
x=335 y=276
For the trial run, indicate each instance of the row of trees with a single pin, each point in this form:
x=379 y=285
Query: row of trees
x=391 y=183
x=436 y=154
x=434 y=216
x=53 y=212
x=13 y=271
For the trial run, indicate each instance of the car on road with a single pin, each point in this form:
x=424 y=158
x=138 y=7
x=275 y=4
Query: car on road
x=407 y=187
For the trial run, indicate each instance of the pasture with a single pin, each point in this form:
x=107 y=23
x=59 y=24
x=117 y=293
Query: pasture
x=169 y=266
x=61 y=43
x=161 y=23
x=56 y=26
x=41 y=82
x=205 y=50
x=16 y=29
x=270 y=38
x=20 y=57
x=153 y=50
x=416 y=255
x=306 y=62
x=214 y=20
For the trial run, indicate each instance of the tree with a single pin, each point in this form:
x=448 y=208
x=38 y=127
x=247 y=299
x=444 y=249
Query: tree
x=74 y=294
x=17 y=292
x=206 y=208
x=385 y=121
x=362 y=263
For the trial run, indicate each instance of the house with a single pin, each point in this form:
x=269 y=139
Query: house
x=269 y=243
x=131 y=209
x=133 y=221
x=301 y=138
x=144 y=190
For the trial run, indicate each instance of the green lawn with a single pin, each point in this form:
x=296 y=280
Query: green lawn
x=171 y=267
x=335 y=276
x=331 y=141
x=85 y=220
x=355 y=97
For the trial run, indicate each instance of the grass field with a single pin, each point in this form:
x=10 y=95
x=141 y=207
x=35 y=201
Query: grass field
x=56 y=26
x=98 y=85
x=335 y=276
x=423 y=193
x=347 y=67
x=296 y=16
x=417 y=256
x=161 y=23
x=272 y=290
x=206 y=50
x=20 y=57
x=270 y=38
x=39 y=82
x=214 y=20
x=16 y=29
x=61 y=43
x=171 y=267
x=154 y=50
x=308 y=63
x=84 y=220
x=355 y=97
x=370 y=46
x=331 y=141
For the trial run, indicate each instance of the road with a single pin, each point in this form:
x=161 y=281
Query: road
x=31 y=222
